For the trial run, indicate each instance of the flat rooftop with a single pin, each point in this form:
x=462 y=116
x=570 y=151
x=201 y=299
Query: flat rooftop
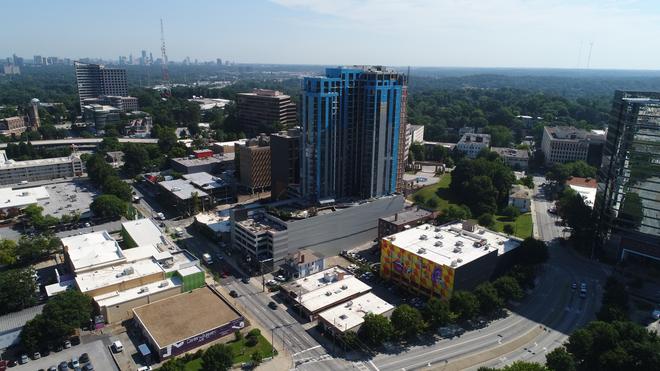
x=185 y=315
x=450 y=244
x=511 y=152
x=324 y=288
x=38 y=162
x=204 y=181
x=143 y=232
x=104 y=277
x=182 y=189
x=185 y=161
x=407 y=215
x=259 y=223
x=10 y=198
x=89 y=250
x=217 y=223
x=351 y=314
x=118 y=297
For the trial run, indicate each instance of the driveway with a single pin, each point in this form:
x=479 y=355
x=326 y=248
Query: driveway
x=98 y=353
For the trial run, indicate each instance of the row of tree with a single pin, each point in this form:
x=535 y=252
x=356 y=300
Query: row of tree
x=28 y=249
x=18 y=288
x=561 y=172
x=26 y=151
x=114 y=202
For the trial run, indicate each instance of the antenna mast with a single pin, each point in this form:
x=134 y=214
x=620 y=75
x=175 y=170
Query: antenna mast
x=166 y=74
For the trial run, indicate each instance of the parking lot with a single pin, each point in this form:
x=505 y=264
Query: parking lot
x=68 y=198
x=99 y=356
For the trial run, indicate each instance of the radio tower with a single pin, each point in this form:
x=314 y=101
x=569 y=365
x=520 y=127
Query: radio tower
x=166 y=74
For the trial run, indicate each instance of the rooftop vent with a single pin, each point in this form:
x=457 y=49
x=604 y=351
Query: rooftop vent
x=423 y=237
x=421 y=251
x=438 y=243
x=344 y=287
x=129 y=270
x=437 y=229
x=457 y=250
x=460 y=260
x=349 y=303
x=164 y=284
x=328 y=293
x=454 y=263
x=343 y=316
x=143 y=290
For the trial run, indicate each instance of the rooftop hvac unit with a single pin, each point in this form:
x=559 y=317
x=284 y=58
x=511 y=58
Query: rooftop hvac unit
x=129 y=270
x=392 y=238
x=453 y=263
x=164 y=284
x=427 y=227
x=500 y=242
x=437 y=235
x=143 y=290
x=423 y=237
x=328 y=293
x=438 y=243
x=459 y=243
x=437 y=229
x=176 y=189
x=349 y=303
x=343 y=316
x=344 y=287
x=481 y=231
x=421 y=251
x=460 y=260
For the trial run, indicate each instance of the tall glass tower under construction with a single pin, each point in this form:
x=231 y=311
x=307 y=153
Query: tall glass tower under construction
x=352 y=120
x=628 y=201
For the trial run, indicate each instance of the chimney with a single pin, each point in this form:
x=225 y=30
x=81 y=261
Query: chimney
x=396 y=217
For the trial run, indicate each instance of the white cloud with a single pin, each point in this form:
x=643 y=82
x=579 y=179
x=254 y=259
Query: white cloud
x=490 y=32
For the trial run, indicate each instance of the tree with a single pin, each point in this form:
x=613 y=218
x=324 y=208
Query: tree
x=560 y=360
x=486 y=220
x=527 y=181
x=508 y=229
x=8 y=253
x=349 y=339
x=217 y=357
x=110 y=144
x=115 y=186
x=17 y=290
x=375 y=329
x=508 y=288
x=464 y=304
x=436 y=312
x=532 y=252
x=615 y=302
x=489 y=299
x=454 y=212
x=407 y=321
x=34 y=248
x=108 y=206
x=195 y=201
x=136 y=159
x=511 y=212
x=173 y=364
x=500 y=136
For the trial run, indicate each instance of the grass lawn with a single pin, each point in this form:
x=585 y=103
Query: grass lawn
x=242 y=353
x=522 y=225
x=439 y=192
x=443 y=198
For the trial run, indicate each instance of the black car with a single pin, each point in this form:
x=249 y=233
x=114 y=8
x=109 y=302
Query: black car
x=272 y=305
x=84 y=358
x=89 y=367
x=75 y=340
x=233 y=293
x=63 y=366
x=245 y=280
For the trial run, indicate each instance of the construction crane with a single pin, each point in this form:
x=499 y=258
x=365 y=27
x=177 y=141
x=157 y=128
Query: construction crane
x=166 y=73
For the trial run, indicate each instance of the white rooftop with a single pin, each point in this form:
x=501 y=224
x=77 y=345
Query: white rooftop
x=587 y=193
x=143 y=231
x=182 y=189
x=103 y=277
x=324 y=288
x=91 y=250
x=118 y=297
x=189 y=270
x=450 y=244
x=348 y=315
x=5 y=163
x=204 y=180
x=215 y=222
x=11 y=198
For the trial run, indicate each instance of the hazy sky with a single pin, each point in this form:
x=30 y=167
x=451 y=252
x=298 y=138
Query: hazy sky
x=472 y=33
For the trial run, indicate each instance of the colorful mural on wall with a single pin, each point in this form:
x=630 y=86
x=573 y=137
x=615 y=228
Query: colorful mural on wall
x=437 y=278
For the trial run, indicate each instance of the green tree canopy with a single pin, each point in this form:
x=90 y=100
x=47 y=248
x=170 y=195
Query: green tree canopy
x=108 y=206
x=8 y=253
x=508 y=288
x=407 y=321
x=532 y=252
x=560 y=360
x=217 y=357
x=464 y=304
x=17 y=290
x=488 y=297
x=376 y=329
x=436 y=312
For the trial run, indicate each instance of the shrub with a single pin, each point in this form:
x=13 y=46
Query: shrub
x=251 y=341
x=255 y=332
x=486 y=220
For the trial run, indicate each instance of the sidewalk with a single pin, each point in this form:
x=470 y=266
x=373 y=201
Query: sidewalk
x=535 y=224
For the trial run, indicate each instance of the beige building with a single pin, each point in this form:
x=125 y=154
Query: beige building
x=265 y=111
x=12 y=125
x=254 y=163
x=562 y=144
x=517 y=159
x=12 y=172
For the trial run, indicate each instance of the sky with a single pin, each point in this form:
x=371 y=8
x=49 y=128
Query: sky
x=610 y=34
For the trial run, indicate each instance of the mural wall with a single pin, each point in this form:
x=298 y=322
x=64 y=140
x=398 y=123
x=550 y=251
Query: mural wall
x=437 y=278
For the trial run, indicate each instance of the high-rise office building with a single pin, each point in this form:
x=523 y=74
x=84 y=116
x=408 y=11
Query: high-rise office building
x=351 y=132
x=265 y=111
x=284 y=163
x=628 y=200
x=95 y=80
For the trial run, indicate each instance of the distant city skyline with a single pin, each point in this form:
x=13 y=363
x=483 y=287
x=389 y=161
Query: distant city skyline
x=499 y=33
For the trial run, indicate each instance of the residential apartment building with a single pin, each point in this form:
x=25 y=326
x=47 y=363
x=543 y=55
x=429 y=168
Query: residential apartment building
x=471 y=144
x=407 y=218
x=253 y=159
x=628 y=197
x=12 y=125
x=95 y=80
x=517 y=159
x=562 y=144
x=12 y=172
x=352 y=131
x=284 y=163
x=265 y=111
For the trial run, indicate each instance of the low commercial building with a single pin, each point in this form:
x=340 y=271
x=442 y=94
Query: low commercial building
x=323 y=290
x=437 y=260
x=14 y=172
x=101 y=115
x=211 y=165
x=273 y=233
x=12 y=201
x=226 y=147
x=120 y=280
x=181 y=195
x=407 y=218
x=562 y=144
x=349 y=316
x=517 y=159
x=520 y=197
x=471 y=144
x=124 y=104
x=15 y=125
x=303 y=263
x=214 y=226
x=181 y=323
x=216 y=187
x=142 y=232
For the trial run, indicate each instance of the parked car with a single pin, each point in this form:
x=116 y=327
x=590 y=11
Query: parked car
x=117 y=346
x=63 y=366
x=280 y=278
x=67 y=344
x=84 y=358
x=36 y=355
x=74 y=362
x=245 y=279
x=233 y=293
x=272 y=305
x=574 y=286
x=24 y=359
x=89 y=367
x=52 y=368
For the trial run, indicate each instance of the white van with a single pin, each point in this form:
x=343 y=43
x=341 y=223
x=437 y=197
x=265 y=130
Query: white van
x=117 y=346
x=207 y=258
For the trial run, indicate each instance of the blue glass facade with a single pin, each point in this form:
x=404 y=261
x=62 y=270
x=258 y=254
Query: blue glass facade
x=351 y=125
